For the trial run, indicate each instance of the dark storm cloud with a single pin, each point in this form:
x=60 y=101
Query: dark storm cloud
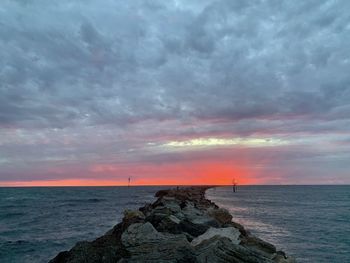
x=168 y=70
x=62 y=63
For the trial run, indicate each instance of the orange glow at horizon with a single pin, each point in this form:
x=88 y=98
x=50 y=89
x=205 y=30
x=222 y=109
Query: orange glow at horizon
x=87 y=182
x=59 y=183
x=190 y=173
x=218 y=169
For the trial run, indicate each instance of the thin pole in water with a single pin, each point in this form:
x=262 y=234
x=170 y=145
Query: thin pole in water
x=234 y=185
x=129 y=181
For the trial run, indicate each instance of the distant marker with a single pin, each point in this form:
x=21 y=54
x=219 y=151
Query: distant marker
x=234 y=185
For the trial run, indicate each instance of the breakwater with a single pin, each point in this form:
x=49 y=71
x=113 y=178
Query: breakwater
x=180 y=226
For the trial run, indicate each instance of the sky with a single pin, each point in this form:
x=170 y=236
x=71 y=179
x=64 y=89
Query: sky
x=174 y=92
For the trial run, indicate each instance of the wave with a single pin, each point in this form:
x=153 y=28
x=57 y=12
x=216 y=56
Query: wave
x=12 y=214
x=89 y=200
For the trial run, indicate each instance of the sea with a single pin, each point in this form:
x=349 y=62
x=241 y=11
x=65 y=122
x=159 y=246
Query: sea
x=37 y=223
x=311 y=223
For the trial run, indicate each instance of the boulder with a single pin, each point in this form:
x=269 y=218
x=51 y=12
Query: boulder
x=259 y=245
x=158 y=214
x=220 y=214
x=103 y=250
x=229 y=232
x=130 y=214
x=221 y=249
x=172 y=204
x=241 y=229
x=198 y=216
x=281 y=257
x=170 y=224
x=145 y=244
x=192 y=229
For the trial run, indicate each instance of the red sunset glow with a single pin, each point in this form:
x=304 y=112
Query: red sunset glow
x=186 y=173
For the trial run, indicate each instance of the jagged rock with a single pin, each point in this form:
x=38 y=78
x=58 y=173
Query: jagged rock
x=221 y=249
x=180 y=215
x=103 y=250
x=191 y=212
x=220 y=214
x=193 y=229
x=259 y=245
x=229 y=232
x=158 y=214
x=238 y=226
x=170 y=224
x=129 y=214
x=281 y=257
x=172 y=204
x=145 y=244
x=198 y=216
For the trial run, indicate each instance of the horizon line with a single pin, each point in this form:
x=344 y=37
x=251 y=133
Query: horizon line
x=165 y=185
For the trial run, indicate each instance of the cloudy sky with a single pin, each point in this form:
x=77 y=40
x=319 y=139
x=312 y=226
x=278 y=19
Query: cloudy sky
x=174 y=92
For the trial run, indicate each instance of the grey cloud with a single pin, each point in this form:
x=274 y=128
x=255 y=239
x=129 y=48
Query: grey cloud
x=118 y=62
x=172 y=69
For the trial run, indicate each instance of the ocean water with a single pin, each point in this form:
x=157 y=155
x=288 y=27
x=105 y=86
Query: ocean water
x=311 y=223
x=37 y=223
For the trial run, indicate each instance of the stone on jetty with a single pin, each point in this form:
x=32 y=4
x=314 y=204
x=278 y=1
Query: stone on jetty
x=180 y=226
x=220 y=214
x=145 y=244
x=229 y=232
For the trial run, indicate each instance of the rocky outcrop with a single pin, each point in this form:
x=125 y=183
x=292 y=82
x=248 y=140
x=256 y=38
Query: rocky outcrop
x=229 y=232
x=181 y=226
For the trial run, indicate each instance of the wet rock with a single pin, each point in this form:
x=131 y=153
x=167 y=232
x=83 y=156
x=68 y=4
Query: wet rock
x=221 y=249
x=281 y=257
x=158 y=214
x=193 y=229
x=220 y=214
x=198 y=216
x=259 y=245
x=129 y=214
x=172 y=204
x=170 y=224
x=238 y=226
x=104 y=250
x=145 y=244
x=229 y=232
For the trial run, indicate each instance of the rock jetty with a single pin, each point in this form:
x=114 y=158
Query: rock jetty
x=181 y=226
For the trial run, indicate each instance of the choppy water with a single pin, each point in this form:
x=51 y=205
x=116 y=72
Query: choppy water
x=37 y=223
x=310 y=222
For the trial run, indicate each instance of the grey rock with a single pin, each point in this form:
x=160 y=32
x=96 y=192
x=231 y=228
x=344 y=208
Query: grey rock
x=281 y=257
x=259 y=245
x=170 y=224
x=220 y=214
x=198 y=216
x=193 y=229
x=172 y=204
x=129 y=214
x=145 y=244
x=229 y=232
x=221 y=249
